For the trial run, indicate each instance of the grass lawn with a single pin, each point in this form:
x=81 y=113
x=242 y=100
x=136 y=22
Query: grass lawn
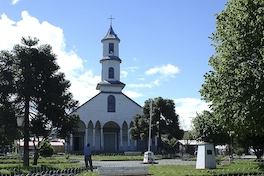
x=238 y=167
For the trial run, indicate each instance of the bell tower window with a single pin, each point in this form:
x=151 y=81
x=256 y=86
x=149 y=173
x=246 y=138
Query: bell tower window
x=111 y=72
x=111 y=103
x=111 y=48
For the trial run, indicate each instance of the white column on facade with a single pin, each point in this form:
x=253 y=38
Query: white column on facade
x=93 y=137
x=86 y=136
x=102 y=139
x=128 y=138
x=121 y=137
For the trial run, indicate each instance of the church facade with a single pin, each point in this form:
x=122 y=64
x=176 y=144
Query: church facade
x=106 y=118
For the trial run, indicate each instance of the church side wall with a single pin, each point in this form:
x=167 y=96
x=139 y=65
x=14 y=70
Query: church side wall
x=95 y=111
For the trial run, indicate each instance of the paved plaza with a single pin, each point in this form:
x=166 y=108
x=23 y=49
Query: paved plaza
x=140 y=163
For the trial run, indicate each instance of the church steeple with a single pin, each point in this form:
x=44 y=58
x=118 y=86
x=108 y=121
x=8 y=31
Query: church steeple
x=110 y=78
x=111 y=35
x=111 y=44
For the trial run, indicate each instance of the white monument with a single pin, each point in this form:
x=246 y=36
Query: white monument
x=149 y=158
x=205 y=156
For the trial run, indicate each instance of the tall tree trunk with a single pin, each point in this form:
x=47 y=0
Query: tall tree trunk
x=36 y=152
x=26 y=133
x=36 y=156
x=159 y=140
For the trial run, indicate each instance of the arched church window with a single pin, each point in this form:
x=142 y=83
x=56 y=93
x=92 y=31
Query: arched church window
x=111 y=103
x=111 y=72
x=111 y=48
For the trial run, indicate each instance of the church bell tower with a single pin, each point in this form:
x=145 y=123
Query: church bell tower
x=110 y=75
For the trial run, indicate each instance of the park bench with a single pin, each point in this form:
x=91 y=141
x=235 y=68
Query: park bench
x=128 y=171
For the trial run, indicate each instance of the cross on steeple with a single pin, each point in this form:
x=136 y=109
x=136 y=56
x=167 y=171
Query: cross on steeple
x=111 y=20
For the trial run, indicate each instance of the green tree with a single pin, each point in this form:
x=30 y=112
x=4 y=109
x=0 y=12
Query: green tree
x=7 y=114
x=140 y=127
x=188 y=135
x=40 y=92
x=165 y=122
x=7 y=125
x=235 y=86
x=46 y=150
x=205 y=125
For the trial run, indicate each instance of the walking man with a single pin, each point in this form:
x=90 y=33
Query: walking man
x=88 y=157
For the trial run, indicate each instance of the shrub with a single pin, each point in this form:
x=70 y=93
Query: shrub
x=239 y=151
x=5 y=171
x=46 y=150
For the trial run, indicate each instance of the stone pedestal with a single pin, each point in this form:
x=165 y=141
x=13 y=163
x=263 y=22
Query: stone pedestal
x=148 y=157
x=205 y=156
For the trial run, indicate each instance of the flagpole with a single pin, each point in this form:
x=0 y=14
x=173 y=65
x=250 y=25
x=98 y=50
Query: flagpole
x=150 y=119
x=148 y=155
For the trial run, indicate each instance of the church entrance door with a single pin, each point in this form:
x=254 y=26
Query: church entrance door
x=110 y=141
x=111 y=131
x=78 y=143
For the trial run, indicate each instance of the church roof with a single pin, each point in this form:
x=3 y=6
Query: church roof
x=111 y=57
x=110 y=83
x=110 y=35
x=106 y=93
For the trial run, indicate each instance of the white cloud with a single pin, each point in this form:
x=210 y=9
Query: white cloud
x=84 y=86
x=187 y=109
x=149 y=85
x=124 y=74
x=141 y=79
x=8 y=33
x=132 y=94
x=83 y=83
x=156 y=82
x=45 y=32
x=139 y=85
x=133 y=69
x=14 y=2
x=135 y=59
x=165 y=70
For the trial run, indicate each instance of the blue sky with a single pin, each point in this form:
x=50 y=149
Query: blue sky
x=164 y=46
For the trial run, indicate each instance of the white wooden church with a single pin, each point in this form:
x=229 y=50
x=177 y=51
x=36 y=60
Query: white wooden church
x=106 y=118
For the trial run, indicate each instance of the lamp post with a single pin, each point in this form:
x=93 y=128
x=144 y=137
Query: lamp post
x=20 y=120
